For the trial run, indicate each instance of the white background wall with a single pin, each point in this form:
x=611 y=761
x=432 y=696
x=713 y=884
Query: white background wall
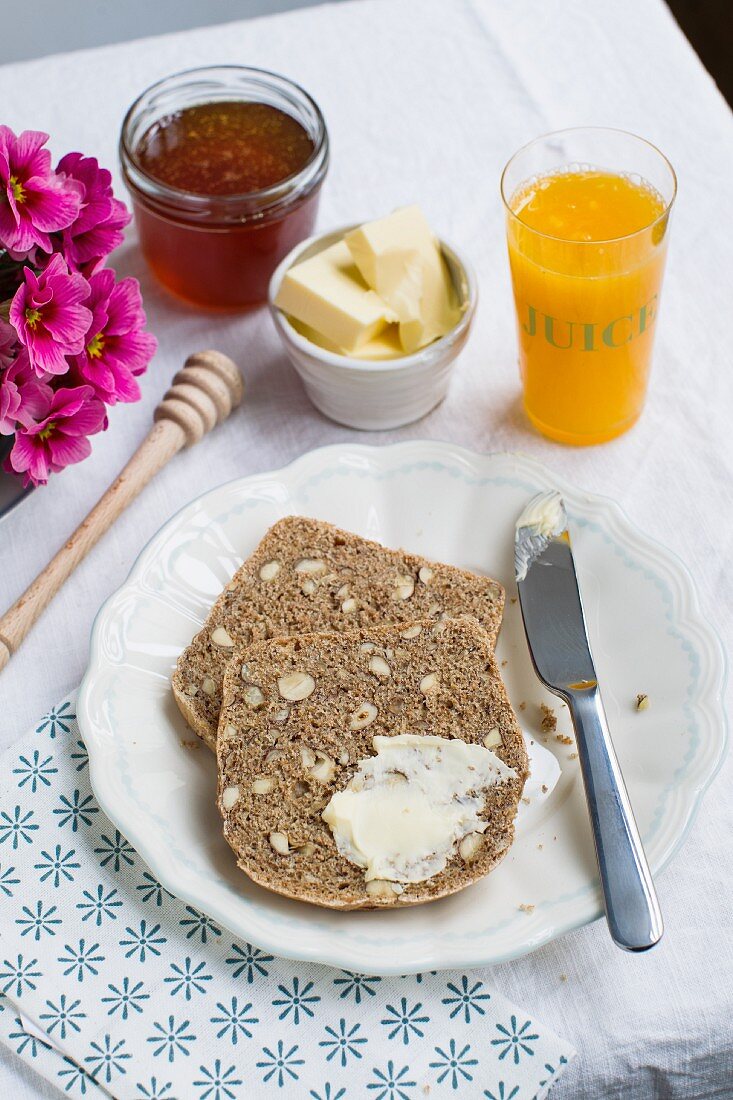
x=34 y=28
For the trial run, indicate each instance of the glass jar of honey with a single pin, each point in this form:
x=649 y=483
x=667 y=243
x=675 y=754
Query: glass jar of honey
x=224 y=166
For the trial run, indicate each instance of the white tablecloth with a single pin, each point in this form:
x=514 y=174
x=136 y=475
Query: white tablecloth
x=425 y=100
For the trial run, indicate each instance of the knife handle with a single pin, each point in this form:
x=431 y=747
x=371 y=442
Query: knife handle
x=632 y=909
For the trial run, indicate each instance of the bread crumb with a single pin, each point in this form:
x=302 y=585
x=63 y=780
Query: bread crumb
x=549 y=719
x=513 y=599
x=563 y=977
x=193 y=743
x=642 y=702
x=525 y=800
x=563 y=739
x=522 y=706
x=540 y=847
x=545 y=788
x=527 y=908
x=504 y=663
x=573 y=756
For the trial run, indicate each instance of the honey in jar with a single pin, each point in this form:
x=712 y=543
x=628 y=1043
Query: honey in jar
x=224 y=167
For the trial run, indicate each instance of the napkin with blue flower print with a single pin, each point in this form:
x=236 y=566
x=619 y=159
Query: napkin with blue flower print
x=110 y=986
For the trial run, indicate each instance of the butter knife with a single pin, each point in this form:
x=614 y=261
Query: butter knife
x=558 y=643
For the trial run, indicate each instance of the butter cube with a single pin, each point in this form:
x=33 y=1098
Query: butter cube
x=328 y=294
x=400 y=258
x=385 y=345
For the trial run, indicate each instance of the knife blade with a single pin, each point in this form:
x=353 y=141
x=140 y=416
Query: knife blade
x=554 y=622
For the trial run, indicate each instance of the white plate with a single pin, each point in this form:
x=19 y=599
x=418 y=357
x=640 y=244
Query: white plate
x=445 y=502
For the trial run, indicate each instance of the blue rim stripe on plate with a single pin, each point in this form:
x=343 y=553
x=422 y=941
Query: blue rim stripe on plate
x=677 y=591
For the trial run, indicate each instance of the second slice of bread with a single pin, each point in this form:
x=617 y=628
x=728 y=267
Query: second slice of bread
x=281 y=758
x=306 y=575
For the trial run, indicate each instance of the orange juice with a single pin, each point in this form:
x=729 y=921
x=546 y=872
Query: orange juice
x=587 y=250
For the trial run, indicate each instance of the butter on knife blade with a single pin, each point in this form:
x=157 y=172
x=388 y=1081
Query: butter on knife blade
x=543 y=518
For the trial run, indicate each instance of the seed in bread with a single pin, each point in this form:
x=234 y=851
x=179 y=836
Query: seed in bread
x=287 y=772
x=306 y=576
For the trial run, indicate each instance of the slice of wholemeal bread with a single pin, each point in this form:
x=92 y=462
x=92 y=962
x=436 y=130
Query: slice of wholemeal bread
x=282 y=758
x=306 y=576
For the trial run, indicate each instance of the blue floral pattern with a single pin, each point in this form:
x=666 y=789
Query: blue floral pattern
x=514 y=1040
x=391 y=1083
x=34 y=771
x=188 y=979
x=344 y=1042
x=218 y=1083
x=115 y=852
x=58 y=720
x=38 y=920
x=18 y=977
x=466 y=998
x=82 y=960
x=125 y=998
x=248 y=960
x=107 y=1058
x=453 y=1064
x=57 y=867
x=149 y=998
x=234 y=1020
x=296 y=1002
x=405 y=1022
x=100 y=904
x=63 y=1017
x=17 y=827
x=281 y=1064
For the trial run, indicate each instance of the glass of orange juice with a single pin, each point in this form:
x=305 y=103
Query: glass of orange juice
x=587 y=214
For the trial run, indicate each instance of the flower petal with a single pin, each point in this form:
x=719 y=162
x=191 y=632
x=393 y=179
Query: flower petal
x=49 y=204
x=68 y=326
x=132 y=351
x=125 y=310
x=46 y=356
x=27 y=155
x=29 y=454
x=68 y=400
x=66 y=449
x=81 y=412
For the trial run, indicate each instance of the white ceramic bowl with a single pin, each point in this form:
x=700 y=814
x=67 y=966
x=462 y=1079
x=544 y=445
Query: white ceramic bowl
x=367 y=394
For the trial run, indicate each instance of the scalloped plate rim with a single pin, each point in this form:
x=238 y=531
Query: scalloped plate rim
x=689 y=615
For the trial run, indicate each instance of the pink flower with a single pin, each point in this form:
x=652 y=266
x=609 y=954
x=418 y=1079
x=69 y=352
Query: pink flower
x=8 y=344
x=116 y=348
x=98 y=228
x=24 y=397
x=34 y=201
x=60 y=438
x=48 y=316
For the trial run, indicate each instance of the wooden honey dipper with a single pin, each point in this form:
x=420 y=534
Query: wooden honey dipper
x=201 y=396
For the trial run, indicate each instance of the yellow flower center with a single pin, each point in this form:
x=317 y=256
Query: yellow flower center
x=17 y=189
x=47 y=431
x=32 y=317
x=95 y=347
